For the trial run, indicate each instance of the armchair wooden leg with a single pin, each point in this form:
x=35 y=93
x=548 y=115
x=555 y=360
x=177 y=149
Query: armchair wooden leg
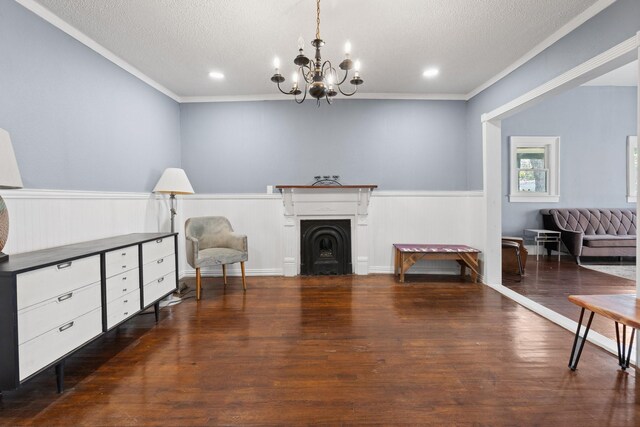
x=244 y=279
x=198 y=284
x=224 y=274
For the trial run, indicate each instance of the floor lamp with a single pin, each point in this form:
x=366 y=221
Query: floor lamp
x=9 y=178
x=173 y=181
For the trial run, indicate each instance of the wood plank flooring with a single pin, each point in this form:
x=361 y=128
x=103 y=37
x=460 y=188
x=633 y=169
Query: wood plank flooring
x=550 y=283
x=334 y=350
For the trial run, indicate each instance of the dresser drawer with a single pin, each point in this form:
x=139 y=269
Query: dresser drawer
x=160 y=248
x=50 y=346
x=123 y=308
x=122 y=284
x=158 y=268
x=121 y=260
x=40 y=318
x=45 y=283
x=159 y=288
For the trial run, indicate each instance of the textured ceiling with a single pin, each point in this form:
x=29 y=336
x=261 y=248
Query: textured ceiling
x=178 y=42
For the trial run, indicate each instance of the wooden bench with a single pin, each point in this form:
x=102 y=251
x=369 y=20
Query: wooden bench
x=407 y=254
x=621 y=308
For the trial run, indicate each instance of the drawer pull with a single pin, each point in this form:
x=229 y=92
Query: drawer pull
x=64 y=265
x=160 y=261
x=125 y=301
x=124 y=278
x=124 y=266
x=126 y=313
x=65 y=327
x=160 y=280
x=123 y=254
x=159 y=241
x=65 y=297
x=124 y=290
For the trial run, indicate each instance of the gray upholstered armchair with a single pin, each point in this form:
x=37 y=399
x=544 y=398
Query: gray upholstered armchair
x=210 y=242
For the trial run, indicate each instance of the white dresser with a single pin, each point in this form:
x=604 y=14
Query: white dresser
x=54 y=301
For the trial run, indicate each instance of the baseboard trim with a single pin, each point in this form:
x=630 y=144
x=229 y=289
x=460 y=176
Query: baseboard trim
x=232 y=271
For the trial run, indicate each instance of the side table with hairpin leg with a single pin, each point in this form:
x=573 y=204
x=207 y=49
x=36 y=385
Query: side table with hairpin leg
x=540 y=236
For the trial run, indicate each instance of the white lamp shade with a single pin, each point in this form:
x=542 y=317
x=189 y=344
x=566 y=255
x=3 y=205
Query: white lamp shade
x=173 y=180
x=9 y=173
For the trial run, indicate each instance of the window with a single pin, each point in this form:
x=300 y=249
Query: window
x=535 y=169
x=632 y=169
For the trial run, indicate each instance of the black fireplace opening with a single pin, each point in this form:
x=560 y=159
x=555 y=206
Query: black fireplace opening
x=325 y=247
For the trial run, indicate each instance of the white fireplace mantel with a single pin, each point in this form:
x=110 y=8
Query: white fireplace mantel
x=303 y=202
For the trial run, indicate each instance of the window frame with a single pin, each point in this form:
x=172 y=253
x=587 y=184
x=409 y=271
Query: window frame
x=551 y=145
x=632 y=170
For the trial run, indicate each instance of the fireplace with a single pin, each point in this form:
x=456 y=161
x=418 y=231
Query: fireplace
x=325 y=247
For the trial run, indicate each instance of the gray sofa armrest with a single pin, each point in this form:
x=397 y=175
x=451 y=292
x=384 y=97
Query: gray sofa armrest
x=193 y=247
x=572 y=240
x=237 y=242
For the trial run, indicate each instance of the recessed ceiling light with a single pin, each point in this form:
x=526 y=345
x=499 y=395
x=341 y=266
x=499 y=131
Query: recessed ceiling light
x=430 y=72
x=216 y=75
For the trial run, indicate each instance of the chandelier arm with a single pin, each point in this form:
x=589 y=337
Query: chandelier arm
x=324 y=64
x=304 y=75
x=348 y=94
x=346 y=74
x=328 y=99
x=303 y=96
x=280 y=89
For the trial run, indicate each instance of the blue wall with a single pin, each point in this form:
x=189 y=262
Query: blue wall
x=76 y=120
x=398 y=145
x=593 y=124
x=615 y=24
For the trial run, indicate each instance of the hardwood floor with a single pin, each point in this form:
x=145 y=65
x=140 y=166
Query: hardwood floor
x=334 y=350
x=550 y=283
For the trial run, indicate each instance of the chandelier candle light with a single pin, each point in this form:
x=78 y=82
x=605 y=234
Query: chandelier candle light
x=320 y=78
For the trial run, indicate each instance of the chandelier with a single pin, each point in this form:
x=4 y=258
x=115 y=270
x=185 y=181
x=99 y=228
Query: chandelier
x=320 y=78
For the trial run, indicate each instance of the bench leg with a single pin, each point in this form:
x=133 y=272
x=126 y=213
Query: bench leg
x=578 y=342
x=624 y=359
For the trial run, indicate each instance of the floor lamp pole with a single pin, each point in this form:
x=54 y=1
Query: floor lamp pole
x=172 y=198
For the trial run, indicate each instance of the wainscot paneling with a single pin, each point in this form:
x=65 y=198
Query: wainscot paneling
x=423 y=217
x=395 y=216
x=259 y=216
x=41 y=219
x=45 y=218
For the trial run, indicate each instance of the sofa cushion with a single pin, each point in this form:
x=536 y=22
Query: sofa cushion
x=608 y=241
x=616 y=222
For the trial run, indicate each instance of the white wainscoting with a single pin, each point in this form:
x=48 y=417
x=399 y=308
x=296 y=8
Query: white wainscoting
x=259 y=216
x=43 y=218
x=450 y=217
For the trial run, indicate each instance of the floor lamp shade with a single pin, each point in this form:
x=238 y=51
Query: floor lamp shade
x=173 y=181
x=9 y=178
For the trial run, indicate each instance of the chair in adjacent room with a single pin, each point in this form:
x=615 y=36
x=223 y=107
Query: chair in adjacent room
x=514 y=246
x=211 y=242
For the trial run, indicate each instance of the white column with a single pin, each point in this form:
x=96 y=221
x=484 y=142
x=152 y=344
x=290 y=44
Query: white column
x=492 y=179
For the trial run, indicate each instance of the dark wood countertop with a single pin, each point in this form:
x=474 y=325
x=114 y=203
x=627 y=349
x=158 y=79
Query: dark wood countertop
x=29 y=260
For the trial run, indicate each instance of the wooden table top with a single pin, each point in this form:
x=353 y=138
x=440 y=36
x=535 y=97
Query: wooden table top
x=623 y=308
x=435 y=248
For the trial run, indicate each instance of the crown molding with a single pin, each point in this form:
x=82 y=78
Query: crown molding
x=280 y=97
x=589 y=13
x=57 y=22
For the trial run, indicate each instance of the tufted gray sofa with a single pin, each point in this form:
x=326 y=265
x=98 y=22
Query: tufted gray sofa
x=594 y=232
